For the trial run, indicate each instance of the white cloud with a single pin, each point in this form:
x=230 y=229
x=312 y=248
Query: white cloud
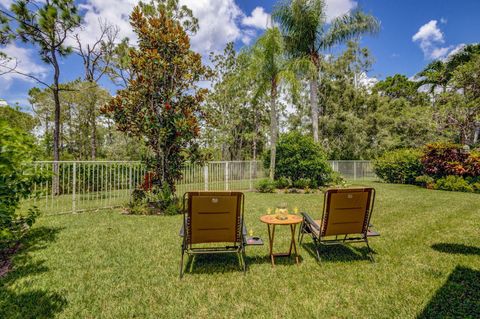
x=25 y=63
x=365 y=81
x=219 y=21
x=259 y=19
x=443 y=20
x=6 y=3
x=457 y=49
x=335 y=8
x=429 y=32
x=430 y=38
x=440 y=52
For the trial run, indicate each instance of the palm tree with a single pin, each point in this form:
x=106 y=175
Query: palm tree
x=438 y=73
x=269 y=67
x=307 y=33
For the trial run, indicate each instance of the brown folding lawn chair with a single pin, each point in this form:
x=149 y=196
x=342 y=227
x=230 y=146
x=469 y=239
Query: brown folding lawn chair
x=213 y=223
x=345 y=219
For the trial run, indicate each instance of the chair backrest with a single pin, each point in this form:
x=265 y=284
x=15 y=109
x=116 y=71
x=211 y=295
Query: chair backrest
x=214 y=217
x=347 y=211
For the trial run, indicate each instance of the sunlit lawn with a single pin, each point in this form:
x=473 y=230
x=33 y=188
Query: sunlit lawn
x=108 y=265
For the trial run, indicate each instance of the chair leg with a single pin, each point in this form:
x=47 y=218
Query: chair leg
x=370 y=250
x=301 y=233
x=181 y=262
x=317 y=249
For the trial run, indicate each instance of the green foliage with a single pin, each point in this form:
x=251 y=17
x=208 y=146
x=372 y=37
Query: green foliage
x=425 y=181
x=299 y=157
x=265 y=186
x=17 y=178
x=154 y=202
x=283 y=182
x=237 y=118
x=443 y=159
x=16 y=118
x=162 y=102
x=453 y=183
x=400 y=166
x=303 y=183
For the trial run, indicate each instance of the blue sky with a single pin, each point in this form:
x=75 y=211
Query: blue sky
x=412 y=33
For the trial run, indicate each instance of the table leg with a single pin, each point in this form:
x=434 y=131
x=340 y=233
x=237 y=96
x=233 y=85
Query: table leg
x=293 y=243
x=271 y=237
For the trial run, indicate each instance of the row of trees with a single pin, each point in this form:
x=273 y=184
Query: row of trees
x=287 y=81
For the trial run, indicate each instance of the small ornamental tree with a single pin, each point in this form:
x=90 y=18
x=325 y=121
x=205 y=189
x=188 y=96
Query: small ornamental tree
x=161 y=103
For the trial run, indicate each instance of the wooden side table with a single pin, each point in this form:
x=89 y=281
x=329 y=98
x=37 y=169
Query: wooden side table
x=272 y=221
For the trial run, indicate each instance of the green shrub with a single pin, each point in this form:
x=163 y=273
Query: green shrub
x=453 y=183
x=17 y=178
x=265 y=186
x=400 y=166
x=283 y=182
x=336 y=179
x=425 y=181
x=298 y=156
x=302 y=183
x=157 y=200
x=292 y=190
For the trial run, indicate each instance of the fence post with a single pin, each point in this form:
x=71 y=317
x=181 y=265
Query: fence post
x=74 y=184
x=250 y=184
x=130 y=182
x=226 y=176
x=205 y=176
x=354 y=170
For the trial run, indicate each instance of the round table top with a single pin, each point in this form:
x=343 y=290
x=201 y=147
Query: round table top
x=273 y=220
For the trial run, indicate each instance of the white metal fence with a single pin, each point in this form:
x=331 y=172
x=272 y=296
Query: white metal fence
x=354 y=170
x=87 y=185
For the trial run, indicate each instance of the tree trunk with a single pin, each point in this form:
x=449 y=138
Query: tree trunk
x=56 y=129
x=273 y=128
x=314 y=106
x=93 y=139
x=476 y=134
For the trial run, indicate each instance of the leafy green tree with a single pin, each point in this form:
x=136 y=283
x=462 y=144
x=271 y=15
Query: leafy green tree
x=270 y=68
x=398 y=86
x=46 y=26
x=96 y=58
x=17 y=177
x=236 y=121
x=304 y=26
x=18 y=119
x=162 y=102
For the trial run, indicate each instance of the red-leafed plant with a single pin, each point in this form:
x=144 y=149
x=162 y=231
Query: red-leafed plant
x=441 y=159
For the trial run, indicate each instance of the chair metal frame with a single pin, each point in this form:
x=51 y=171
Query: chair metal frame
x=238 y=246
x=309 y=225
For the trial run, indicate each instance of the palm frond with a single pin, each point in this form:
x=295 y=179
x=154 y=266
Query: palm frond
x=348 y=26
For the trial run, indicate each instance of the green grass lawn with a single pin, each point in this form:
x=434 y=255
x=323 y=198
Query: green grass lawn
x=108 y=265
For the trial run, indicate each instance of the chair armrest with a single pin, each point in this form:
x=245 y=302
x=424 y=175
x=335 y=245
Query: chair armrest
x=309 y=221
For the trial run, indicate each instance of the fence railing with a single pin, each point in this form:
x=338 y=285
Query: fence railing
x=89 y=185
x=354 y=169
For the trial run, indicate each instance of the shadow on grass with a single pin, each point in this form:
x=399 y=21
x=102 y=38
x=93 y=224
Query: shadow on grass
x=459 y=297
x=339 y=253
x=16 y=299
x=456 y=249
x=220 y=263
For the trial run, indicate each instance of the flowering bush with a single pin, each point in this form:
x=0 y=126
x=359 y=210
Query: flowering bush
x=441 y=160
